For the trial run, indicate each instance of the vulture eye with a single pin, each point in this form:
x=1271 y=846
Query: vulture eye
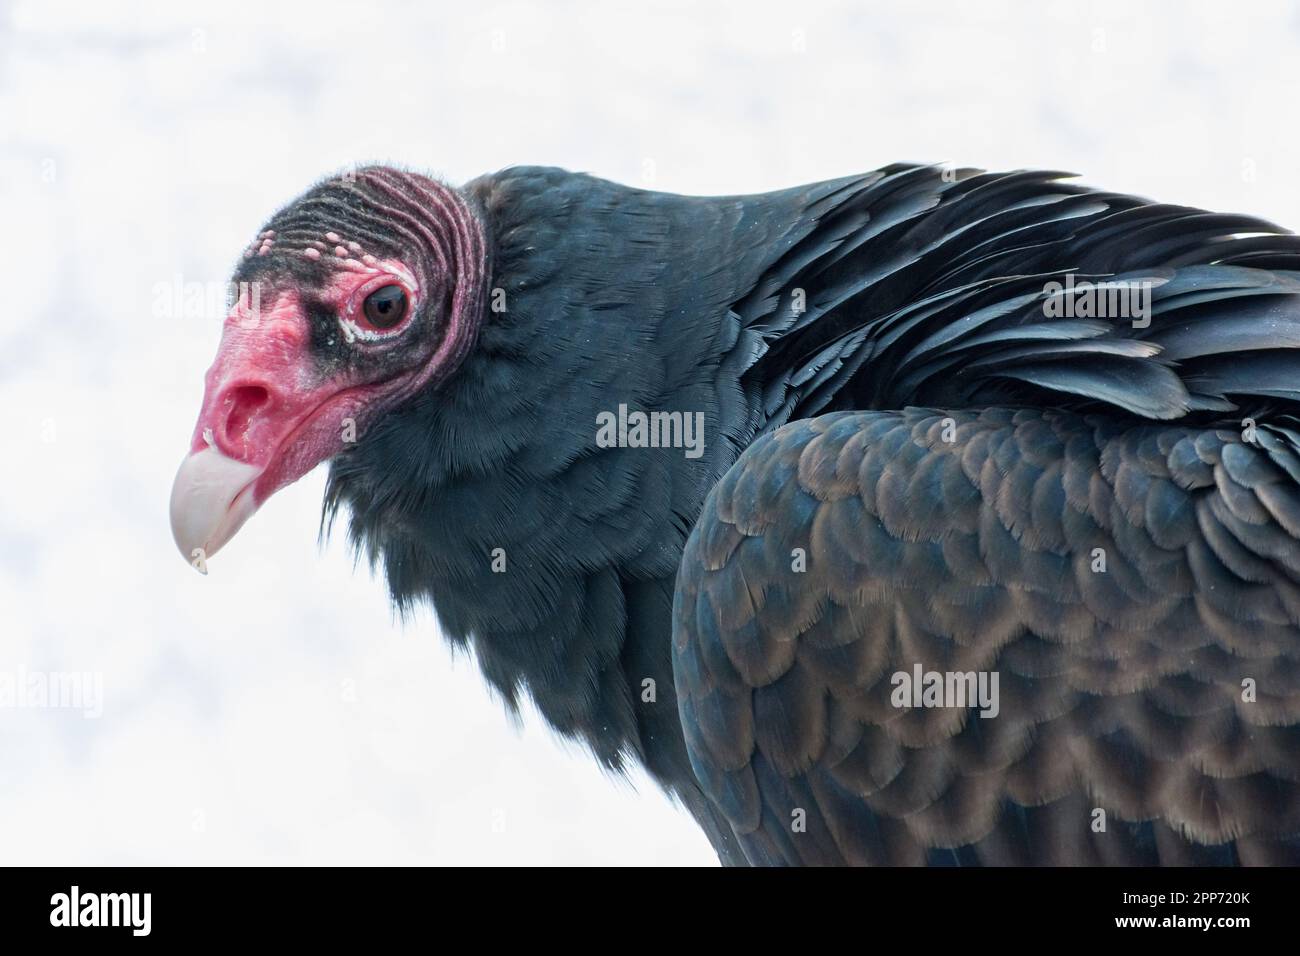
x=386 y=307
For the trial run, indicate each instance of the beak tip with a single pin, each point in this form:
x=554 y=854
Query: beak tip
x=211 y=498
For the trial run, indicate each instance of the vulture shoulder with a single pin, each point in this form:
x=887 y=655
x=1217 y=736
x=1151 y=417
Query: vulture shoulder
x=1132 y=585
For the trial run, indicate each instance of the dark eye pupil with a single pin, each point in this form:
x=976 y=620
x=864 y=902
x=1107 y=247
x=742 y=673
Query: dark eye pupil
x=386 y=307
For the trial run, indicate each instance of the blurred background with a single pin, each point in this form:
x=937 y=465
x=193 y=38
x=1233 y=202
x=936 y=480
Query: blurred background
x=275 y=711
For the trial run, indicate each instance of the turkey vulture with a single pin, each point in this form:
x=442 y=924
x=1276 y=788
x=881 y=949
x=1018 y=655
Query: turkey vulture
x=929 y=515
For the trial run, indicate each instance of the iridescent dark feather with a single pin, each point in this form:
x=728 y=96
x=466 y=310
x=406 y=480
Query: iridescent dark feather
x=870 y=297
x=967 y=542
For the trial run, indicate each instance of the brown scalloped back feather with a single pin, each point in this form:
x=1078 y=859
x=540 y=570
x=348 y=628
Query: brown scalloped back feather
x=1120 y=691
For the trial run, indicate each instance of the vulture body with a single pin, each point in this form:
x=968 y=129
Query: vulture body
x=912 y=458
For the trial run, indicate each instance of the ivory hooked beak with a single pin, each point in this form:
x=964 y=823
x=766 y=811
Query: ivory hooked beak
x=212 y=497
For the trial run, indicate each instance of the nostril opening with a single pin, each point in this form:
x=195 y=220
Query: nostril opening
x=244 y=403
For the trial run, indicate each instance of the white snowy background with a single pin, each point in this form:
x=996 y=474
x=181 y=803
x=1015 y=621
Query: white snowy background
x=274 y=711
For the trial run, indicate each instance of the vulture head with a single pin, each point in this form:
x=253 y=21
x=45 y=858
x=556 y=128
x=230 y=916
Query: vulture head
x=360 y=294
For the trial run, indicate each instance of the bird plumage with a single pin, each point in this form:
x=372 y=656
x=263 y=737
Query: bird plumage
x=1126 y=581
x=887 y=304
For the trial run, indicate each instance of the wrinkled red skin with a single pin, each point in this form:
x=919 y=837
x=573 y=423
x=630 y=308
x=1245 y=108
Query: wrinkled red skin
x=300 y=371
x=266 y=401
